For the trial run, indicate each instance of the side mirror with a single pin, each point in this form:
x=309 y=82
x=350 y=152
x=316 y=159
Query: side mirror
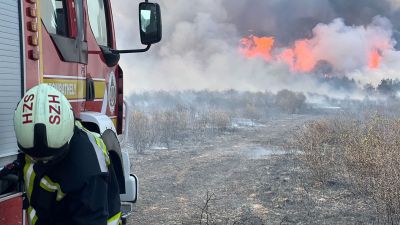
x=150 y=30
x=150 y=23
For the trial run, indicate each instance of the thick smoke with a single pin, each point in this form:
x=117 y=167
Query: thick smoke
x=289 y=20
x=343 y=48
x=200 y=42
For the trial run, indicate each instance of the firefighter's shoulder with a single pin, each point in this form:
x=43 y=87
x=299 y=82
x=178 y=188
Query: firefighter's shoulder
x=82 y=162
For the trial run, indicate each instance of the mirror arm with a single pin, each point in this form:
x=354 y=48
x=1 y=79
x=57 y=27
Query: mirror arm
x=131 y=51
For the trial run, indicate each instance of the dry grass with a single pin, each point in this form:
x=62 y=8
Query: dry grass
x=163 y=128
x=364 y=151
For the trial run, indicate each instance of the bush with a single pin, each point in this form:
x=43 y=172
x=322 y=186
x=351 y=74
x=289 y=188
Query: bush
x=318 y=141
x=175 y=125
x=142 y=133
x=365 y=151
x=289 y=101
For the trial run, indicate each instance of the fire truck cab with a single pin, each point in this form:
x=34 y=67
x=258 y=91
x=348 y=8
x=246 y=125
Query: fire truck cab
x=70 y=45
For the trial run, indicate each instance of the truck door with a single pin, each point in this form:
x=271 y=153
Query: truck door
x=64 y=49
x=101 y=75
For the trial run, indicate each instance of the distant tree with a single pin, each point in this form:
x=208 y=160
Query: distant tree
x=369 y=89
x=289 y=101
x=389 y=87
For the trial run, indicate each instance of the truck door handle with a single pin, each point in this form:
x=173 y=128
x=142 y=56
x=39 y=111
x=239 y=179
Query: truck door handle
x=90 y=92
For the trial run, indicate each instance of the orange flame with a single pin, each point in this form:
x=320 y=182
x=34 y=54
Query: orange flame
x=287 y=56
x=305 y=60
x=374 y=60
x=302 y=57
x=253 y=46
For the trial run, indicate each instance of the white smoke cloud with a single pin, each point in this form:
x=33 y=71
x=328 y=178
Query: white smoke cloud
x=346 y=48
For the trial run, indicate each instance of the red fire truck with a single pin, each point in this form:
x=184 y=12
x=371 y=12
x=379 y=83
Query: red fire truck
x=70 y=45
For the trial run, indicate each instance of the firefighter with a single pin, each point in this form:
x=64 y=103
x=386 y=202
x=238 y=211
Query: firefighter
x=66 y=168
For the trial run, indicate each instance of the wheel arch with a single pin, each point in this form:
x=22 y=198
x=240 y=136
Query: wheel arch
x=102 y=124
x=114 y=150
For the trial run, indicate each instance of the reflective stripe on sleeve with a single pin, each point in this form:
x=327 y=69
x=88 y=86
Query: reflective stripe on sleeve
x=99 y=146
x=100 y=154
x=115 y=220
x=29 y=177
x=50 y=186
x=103 y=147
x=32 y=216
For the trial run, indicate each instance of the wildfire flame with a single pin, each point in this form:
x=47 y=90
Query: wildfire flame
x=374 y=60
x=301 y=57
x=253 y=46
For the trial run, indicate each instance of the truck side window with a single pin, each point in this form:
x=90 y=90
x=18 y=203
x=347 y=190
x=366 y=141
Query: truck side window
x=54 y=16
x=98 y=21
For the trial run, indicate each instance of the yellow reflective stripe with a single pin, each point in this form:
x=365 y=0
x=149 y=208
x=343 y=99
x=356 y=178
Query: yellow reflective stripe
x=78 y=124
x=115 y=220
x=99 y=153
x=103 y=147
x=50 y=186
x=99 y=142
x=32 y=216
x=29 y=177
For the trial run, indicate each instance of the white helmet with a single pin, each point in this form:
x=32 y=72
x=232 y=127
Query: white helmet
x=44 y=123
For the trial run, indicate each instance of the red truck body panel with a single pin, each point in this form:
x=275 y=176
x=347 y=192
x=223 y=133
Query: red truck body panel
x=11 y=210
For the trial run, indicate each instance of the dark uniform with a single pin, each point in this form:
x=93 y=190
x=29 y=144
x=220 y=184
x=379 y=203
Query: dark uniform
x=80 y=189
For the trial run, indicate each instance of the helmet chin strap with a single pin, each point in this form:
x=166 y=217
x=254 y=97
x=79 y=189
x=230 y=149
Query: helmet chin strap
x=51 y=160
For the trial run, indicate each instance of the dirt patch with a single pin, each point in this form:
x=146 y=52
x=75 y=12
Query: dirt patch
x=253 y=179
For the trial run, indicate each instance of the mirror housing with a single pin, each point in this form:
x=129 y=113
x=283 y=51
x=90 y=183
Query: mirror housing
x=150 y=29
x=150 y=23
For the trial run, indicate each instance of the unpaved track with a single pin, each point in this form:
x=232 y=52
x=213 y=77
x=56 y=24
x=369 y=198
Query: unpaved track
x=252 y=180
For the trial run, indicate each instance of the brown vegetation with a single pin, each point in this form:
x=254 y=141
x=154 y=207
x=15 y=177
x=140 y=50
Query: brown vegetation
x=164 y=127
x=289 y=101
x=363 y=151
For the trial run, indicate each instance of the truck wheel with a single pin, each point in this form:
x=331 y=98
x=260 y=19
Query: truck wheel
x=114 y=150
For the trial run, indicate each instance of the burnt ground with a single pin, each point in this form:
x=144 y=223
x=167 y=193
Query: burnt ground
x=250 y=179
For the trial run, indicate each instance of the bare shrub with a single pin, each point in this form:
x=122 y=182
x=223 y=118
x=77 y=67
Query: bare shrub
x=141 y=133
x=317 y=140
x=219 y=120
x=365 y=151
x=251 y=112
x=167 y=124
x=289 y=101
x=207 y=216
x=175 y=126
x=372 y=158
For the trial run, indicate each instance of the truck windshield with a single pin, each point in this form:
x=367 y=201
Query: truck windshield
x=53 y=13
x=98 y=22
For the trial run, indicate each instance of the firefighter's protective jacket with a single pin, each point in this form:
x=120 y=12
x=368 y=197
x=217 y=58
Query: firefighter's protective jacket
x=80 y=189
